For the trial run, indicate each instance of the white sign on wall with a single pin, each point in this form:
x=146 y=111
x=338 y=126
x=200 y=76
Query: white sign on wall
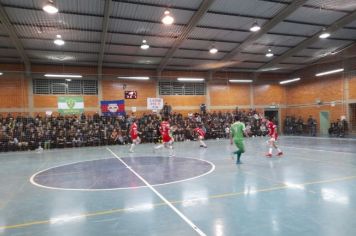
x=154 y=103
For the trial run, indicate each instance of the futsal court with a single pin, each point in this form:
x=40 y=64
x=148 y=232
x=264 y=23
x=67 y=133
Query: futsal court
x=309 y=191
x=130 y=117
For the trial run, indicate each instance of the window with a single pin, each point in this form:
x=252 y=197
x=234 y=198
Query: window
x=41 y=86
x=59 y=86
x=179 y=88
x=165 y=88
x=62 y=86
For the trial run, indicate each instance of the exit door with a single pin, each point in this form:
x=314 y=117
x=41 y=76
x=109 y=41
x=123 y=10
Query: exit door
x=324 y=122
x=273 y=114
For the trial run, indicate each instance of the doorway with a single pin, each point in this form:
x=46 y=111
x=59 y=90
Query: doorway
x=324 y=122
x=352 y=112
x=272 y=113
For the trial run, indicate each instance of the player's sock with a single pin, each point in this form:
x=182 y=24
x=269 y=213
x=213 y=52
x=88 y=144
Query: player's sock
x=238 y=156
x=171 y=151
x=270 y=151
x=132 y=147
x=202 y=144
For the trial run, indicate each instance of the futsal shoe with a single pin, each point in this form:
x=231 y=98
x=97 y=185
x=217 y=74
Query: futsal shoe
x=269 y=155
x=280 y=154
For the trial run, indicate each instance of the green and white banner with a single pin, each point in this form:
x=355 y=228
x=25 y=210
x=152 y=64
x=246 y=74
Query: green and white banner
x=70 y=105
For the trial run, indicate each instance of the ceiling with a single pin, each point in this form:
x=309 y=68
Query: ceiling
x=108 y=33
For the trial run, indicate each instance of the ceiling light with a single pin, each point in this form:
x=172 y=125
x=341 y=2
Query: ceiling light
x=269 y=53
x=255 y=27
x=240 y=80
x=324 y=35
x=190 y=79
x=213 y=50
x=1 y=73
x=289 y=81
x=63 y=75
x=144 y=45
x=134 y=77
x=60 y=57
x=167 y=19
x=68 y=80
x=330 y=72
x=59 y=41
x=50 y=8
x=270 y=69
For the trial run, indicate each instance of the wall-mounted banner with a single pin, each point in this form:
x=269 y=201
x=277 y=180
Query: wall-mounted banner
x=154 y=103
x=70 y=105
x=113 y=108
x=130 y=94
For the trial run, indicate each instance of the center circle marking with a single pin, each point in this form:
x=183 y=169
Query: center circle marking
x=111 y=174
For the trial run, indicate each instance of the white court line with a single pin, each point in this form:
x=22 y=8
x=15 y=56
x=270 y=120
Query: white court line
x=189 y=222
x=323 y=138
x=313 y=149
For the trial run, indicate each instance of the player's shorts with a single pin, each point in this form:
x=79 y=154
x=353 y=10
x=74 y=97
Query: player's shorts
x=166 y=138
x=136 y=140
x=240 y=145
x=200 y=137
x=133 y=137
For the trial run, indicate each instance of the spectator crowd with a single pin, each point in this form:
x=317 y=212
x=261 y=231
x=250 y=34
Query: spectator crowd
x=29 y=133
x=294 y=126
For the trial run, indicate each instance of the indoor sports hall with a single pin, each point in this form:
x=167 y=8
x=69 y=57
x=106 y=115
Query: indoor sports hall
x=177 y=117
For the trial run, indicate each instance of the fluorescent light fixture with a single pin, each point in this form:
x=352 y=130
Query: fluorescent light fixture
x=213 y=50
x=271 y=69
x=167 y=19
x=63 y=76
x=289 y=81
x=324 y=35
x=60 y=57
x=134 y=77
x=255 y=27
x=50 y=8
x=330 y=72
x=190 y=79
x=144 y=45
x=240 y=80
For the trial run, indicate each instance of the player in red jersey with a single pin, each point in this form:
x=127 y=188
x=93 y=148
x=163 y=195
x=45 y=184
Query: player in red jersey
x=272 y=142
x=201 y=134
x=134 y=135
x=167 y=138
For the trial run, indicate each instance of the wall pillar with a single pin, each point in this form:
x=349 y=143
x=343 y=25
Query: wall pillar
x=100 y=92
x=207 y=90
x=29 y=80
x=252 y=101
